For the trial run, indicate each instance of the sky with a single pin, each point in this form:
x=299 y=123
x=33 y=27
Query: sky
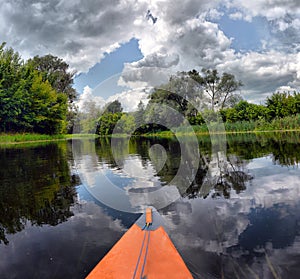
x=119 y=54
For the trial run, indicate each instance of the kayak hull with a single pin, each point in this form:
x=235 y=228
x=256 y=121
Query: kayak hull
x=130 y=258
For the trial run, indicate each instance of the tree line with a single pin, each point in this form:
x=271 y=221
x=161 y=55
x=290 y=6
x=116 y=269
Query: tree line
x=200 y=98
x=35 y=95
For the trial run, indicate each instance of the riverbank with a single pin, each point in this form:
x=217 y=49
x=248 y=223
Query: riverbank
x=12 y=139
x=169 y=134
x=286 y=124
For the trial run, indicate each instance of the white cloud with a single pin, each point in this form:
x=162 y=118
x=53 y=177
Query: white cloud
x=87 y=97
x=182 y=38
x=236 y=16
x=194 y=43
x=81 y=32
x=263 y=73
x=199 y=43
x=272 y=9
x=130 y=99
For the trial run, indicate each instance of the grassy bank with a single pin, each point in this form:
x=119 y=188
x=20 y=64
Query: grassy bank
x=290 y=123
x=18 y=138
x=6 y=139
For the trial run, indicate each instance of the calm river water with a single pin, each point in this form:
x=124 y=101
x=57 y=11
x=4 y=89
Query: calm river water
x=233 y=214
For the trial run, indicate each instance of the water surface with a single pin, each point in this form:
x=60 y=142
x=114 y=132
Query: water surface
x=238 y=218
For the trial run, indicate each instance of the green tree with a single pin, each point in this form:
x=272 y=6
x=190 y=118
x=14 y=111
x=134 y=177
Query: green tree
x=107 y=123
x=11 y=97
x=139 y=114
x=113 y=107
x=126 y=124
x=244 y=111
x=108 y=120
x=220 y=89
x=281 y=105
x=56 y=71
x=48 y=106
x=27 y=102
x=89 y=116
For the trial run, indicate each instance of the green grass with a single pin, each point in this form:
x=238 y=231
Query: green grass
x=80 y=136
x=289 y=123
x=16 y=138
x=19 y=138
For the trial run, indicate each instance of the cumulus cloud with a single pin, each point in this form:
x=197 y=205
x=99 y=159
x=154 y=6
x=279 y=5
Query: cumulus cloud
x=227 y=226
x=198 y=43
x=183 y=38
x=264 y=73
x=193 y=44
x=282 y=16
x=79 y=31
x=130 y=99
x=87 y=98
x=272 y=10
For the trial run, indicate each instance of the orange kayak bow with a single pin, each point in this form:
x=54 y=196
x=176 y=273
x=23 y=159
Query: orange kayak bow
x=144 y=251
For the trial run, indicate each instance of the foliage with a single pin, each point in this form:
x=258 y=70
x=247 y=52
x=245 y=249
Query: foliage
x=219 y=89
x=113 y=107
x=183 y=98
x=56 y=72
x=88 y=117
x=107 y=123
x=283 y=104
x=126 y=124
x=244 y=111
x=28 y=103
x=139 y=117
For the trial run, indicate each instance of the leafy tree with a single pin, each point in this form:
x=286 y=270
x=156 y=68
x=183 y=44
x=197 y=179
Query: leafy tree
x=244 y=111
x=297 y=101
x=107 y=123
x=196 y=119
x=162 y=96
x=11 y=98
x=139 y=114
x=219 y=89
x=113 y=107
x=126 y=124
x=181 y=93
x=48 y=106
x=281 y=105
x=56 y=72
x=89 y=116
x=27 y=102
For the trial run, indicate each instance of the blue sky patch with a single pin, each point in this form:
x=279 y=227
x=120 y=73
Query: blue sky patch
x=112 y=64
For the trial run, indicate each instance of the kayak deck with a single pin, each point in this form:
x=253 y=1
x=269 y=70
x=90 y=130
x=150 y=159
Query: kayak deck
x=144 y=251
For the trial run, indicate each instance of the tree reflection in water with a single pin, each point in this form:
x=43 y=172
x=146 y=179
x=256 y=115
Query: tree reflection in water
x=239 y=217
x=36 y=186
x=216 y=174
